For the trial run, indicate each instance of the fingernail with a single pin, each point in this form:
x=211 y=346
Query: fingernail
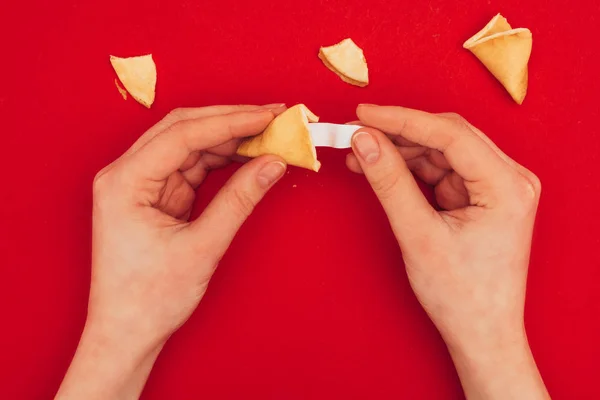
x=270 y=173
x=367 y=105
x=261 y=110
x=274 y=105
x=366 y=146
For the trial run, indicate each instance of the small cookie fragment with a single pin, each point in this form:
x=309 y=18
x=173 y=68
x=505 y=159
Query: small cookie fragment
x=287 y=136
x=138 y=75
x=348 y=61
x=505 y=53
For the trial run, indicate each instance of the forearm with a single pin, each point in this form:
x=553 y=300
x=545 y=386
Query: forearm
x=104 y=368
x=499 y=370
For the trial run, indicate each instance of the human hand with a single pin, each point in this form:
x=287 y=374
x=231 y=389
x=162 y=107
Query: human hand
x=150 y=265
x=467 y=263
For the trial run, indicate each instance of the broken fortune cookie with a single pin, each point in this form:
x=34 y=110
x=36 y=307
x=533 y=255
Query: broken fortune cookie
x=348 y=61
x=138 y=75
x=505 y=53
x=287 y=136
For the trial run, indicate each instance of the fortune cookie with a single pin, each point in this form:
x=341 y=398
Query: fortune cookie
x=505 y=53
x=138 y=75
x=347 y=60
x=287 y=136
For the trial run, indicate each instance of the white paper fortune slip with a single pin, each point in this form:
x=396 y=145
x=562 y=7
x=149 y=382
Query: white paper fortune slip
x=332 y=135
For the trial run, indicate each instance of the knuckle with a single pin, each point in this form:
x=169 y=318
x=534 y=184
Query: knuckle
x=177 y=131
x=459 y=122
x=536 y=183
x=231 y=128
x=241 y=202
x=405 y=125
x=101 y=188
x=108 y=185
x=453 y=116
x=100 y=182
x=525 y=196
x=385 y=184
x=176 y=114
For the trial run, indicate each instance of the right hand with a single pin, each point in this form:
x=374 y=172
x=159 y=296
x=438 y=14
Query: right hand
x=467 y=264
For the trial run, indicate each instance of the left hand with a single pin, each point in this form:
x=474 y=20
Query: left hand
x=150 y=265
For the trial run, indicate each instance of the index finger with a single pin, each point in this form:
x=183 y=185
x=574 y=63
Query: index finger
x=466 y=153
x=183 y=113
x=168 y=150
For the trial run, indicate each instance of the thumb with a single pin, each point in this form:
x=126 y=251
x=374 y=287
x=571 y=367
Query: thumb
x=407 y=209
x=236 y=200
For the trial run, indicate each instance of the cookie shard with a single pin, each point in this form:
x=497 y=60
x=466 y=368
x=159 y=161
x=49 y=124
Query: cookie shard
x=348 y=61
x=505 y=53
x=138 y=76
x=287 y=136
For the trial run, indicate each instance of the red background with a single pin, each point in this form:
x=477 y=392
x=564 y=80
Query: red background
x=311 y=301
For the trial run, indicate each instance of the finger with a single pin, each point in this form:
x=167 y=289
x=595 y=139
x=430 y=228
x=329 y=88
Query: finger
x=406 y=207
x=168 y=151
x=353 y=164
x=223 y=217
x=176 y=197
x=191 y=160
x=451 y=193
x=226 y=149
x=181 y=114
x=484 y=137
x=465 y=152
x=435 y=157
x=240 y=159
x=400 y=141
x=408 y=153
x=512 y=163
x=426 y=171
x=195 y=175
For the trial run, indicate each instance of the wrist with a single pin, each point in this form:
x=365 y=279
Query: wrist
x=499 y=367
x=481 y=342
x=106 y=366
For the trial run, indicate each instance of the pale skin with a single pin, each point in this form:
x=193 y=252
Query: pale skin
x=466 y=263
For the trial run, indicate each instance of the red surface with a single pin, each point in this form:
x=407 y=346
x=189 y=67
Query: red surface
x=311 y=301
